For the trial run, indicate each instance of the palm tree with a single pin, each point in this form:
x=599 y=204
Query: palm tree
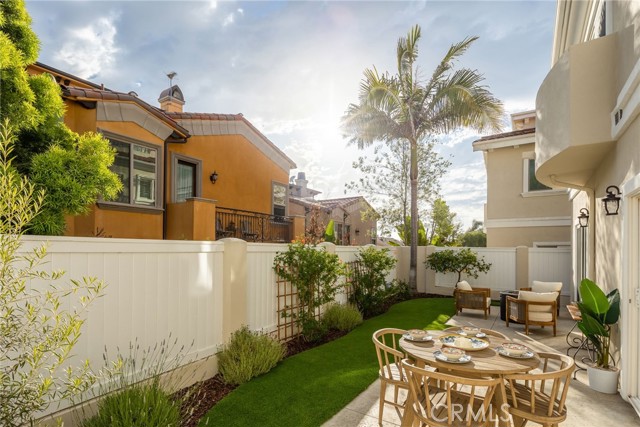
x=402 y=107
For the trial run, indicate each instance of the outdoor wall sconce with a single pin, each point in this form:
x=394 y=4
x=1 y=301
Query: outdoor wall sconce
x=357 y=231
x=213 y=177
x=583 y=218
x=612 y=200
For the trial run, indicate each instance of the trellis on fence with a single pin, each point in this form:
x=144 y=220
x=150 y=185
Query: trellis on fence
x=289 y=305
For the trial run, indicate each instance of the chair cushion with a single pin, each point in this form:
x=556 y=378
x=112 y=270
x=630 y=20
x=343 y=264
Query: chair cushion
x=538 y=297
x=537 y=286
x=539 y=316
x=463 y=285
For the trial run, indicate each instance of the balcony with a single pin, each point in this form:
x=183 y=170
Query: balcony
x=252 y=226
x=574 y=105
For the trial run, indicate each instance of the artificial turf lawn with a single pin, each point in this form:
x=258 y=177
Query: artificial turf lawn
x=309 y=388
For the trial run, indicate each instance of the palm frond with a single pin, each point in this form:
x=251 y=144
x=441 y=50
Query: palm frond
x=447 y=62
x=407 y=50
x=460 y=100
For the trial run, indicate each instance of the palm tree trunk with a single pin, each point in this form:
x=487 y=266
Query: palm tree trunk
x=413 y=175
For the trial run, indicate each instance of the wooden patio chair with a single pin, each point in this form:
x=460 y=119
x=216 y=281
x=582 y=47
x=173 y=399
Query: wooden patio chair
x=445 y=400
x=533 y=308
x=540 y=395
x=389 y=361
x=538 y=286
x=472 y=298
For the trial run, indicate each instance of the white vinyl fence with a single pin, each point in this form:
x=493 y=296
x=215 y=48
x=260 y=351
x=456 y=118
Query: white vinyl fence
x=551 y=265
x=544 y=264
x=261 y=286
x=157 y=288
x=501 y=276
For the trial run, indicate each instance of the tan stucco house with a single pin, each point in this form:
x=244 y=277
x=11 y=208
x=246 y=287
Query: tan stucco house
x=588 y=141
x=521 y=211
x=354 y=218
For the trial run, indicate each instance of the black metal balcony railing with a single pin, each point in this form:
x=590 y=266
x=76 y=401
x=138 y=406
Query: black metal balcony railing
x=252 y=226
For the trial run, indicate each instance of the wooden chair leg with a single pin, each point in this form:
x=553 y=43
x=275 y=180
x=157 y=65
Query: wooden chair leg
x=383 y=389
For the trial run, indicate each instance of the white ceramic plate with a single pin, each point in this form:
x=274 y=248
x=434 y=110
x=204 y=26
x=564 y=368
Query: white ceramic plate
x=441 y=357
x=526 y=355
x=464 y=343
x=477 y=335
x=423 y=339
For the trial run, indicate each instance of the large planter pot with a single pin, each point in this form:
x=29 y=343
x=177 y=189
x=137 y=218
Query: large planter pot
x=603 y=380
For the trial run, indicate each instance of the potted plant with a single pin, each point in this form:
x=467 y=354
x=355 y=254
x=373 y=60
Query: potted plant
x=599 y=313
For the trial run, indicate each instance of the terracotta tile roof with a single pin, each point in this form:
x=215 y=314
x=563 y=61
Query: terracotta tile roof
x=340 y=202
x=69 y=76
x=226 y=117
x=507 y=134
x=109 y=95
x=306 y=203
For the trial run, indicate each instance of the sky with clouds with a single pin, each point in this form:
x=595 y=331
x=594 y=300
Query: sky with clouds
x=292 y=68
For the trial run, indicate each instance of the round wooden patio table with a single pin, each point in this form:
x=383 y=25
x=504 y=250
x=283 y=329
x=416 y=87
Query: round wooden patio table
x=485 y=363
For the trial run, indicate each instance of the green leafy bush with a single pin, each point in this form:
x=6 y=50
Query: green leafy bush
x=369 y=280
x=141 y=405
x=341 y=317
x=314 y=273
x=247 y=355
x=397 y=291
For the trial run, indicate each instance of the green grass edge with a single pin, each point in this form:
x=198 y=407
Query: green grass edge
x=311 y=387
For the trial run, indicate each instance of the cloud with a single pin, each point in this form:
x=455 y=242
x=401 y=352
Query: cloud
x=90 y=49
x=292 y=68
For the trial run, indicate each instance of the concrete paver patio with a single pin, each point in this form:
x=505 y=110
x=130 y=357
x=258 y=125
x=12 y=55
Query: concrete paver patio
x=585 y=407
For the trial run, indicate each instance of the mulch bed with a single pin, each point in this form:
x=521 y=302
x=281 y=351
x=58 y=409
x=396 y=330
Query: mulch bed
x=205 y=394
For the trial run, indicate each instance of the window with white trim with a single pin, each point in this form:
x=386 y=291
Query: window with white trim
x=531 y=183
x=137 y=167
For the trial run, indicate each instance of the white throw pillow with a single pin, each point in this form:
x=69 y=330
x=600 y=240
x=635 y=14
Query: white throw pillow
x=463 y=285
x=538 y=297
x=537 y=286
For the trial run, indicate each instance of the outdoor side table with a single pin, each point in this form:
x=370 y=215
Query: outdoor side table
x=503 y=303
x=578 y=343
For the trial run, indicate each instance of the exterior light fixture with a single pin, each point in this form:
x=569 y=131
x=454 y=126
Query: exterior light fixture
x=213 y=177
x=583 y=218
x=612 y=200
x=357 y=231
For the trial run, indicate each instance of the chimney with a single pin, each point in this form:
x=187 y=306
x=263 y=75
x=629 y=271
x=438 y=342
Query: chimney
x=301 y=181
x=172 y=99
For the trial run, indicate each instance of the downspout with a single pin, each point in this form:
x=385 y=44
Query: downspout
x=592 y=230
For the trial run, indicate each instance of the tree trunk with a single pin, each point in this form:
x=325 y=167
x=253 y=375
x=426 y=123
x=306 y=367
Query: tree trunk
x=413 y=175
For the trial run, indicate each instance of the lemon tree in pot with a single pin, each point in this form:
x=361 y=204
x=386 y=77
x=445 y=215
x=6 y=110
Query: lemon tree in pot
x=599 y=313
